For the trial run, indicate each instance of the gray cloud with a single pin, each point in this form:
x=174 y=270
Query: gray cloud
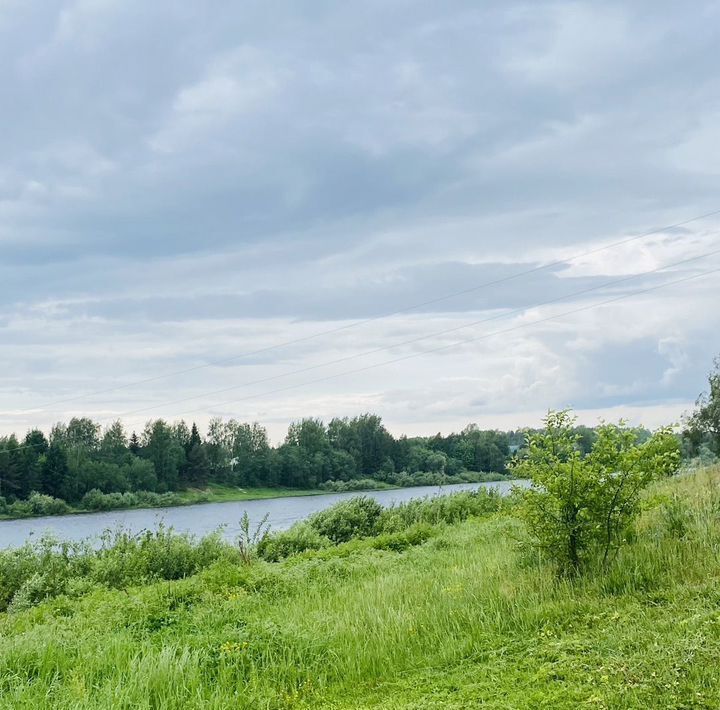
x=183 y=181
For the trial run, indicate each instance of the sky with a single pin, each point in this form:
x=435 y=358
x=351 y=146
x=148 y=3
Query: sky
x=268 y=210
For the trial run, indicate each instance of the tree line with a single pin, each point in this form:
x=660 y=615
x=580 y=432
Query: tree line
x=79 y=457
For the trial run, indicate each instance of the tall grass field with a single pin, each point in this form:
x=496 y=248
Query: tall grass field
x=440 y=607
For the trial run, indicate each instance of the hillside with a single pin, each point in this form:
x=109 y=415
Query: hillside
x=455 y=617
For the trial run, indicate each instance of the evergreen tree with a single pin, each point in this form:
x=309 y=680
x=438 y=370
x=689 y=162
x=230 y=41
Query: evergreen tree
x=114 y=445
x=198 y=466
x=54 y=472
x=35 y=445
x=10 y=468
x=134 y=444
x=195 y=439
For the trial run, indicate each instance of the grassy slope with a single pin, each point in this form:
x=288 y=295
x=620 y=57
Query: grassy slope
x=462 y=621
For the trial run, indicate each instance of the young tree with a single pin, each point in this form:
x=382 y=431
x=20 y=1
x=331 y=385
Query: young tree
x=79 y=440
x=218 y=450
x=195 y=438
x=134 y=444
x=114 y=444
x=703 y=426
x=35 y=445
x=579 y=506
x=197 y=469
x=161 y=446
x=11 y=469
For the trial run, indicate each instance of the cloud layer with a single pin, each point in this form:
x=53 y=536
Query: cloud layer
x=182 y=185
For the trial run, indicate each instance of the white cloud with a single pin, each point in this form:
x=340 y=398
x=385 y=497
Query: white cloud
x=699 y=150
x=180 y=186
x=574 y=44
x=238 y=83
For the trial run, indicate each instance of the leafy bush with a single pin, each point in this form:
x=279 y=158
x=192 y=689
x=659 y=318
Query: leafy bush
x=397 y=542
x=581 y=506
x=41 y=504
x=158 y=500
x=440 y=509
x=357 y=517
x=47 y=568
x=356 y=484
x=299 y=538
x=40 y=570
x=396 y=527
x=126 y=559
x=19 y=509
x=96 y=500
x=440 y=478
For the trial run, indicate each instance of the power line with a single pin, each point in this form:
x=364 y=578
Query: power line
x=354 y=356
x=464 y=342
x=447 y=346
x=365 y=321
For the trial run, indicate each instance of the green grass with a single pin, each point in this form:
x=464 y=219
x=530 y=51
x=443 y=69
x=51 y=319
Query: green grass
x=465 y=620
x=215 y=493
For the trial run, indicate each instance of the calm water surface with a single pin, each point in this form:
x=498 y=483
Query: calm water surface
x=207 y=517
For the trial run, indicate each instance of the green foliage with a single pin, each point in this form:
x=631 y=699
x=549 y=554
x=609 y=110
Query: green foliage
x=395 y=527
x=449 y=509
x=702 y=429
x=462 y=621
x=250 y=537
x=299 y=538
x=41 y=504
x=80 y=463
x=356 y=517
x=416 y=534
x=48 y=568
x=581 y=506
x=45 y=569
x=358 y=484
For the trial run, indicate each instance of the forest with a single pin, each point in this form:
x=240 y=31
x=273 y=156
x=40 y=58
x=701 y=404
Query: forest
x=80 y=463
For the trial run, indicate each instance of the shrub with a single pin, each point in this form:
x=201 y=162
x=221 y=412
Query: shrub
x=440 y=509
x=126 y=559
x=20 y=509
x=356 y=517
x=399 y=541
x=297 y=539
x=40 y=570
x=41 y=504
x=158 y=500
x=580 y=506
x=96 y=500
x=47 y=568
x=356 y=484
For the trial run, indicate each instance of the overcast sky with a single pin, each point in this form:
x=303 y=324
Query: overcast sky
x=185 y=184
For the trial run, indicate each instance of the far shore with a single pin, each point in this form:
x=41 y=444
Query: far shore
x=226 y=494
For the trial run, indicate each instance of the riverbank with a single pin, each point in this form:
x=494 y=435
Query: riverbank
x=205 y=519
x=194 y=496
x=445 y=615
x=213 y=493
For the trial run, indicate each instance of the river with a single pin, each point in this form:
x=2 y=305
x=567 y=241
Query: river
x=204 y=518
